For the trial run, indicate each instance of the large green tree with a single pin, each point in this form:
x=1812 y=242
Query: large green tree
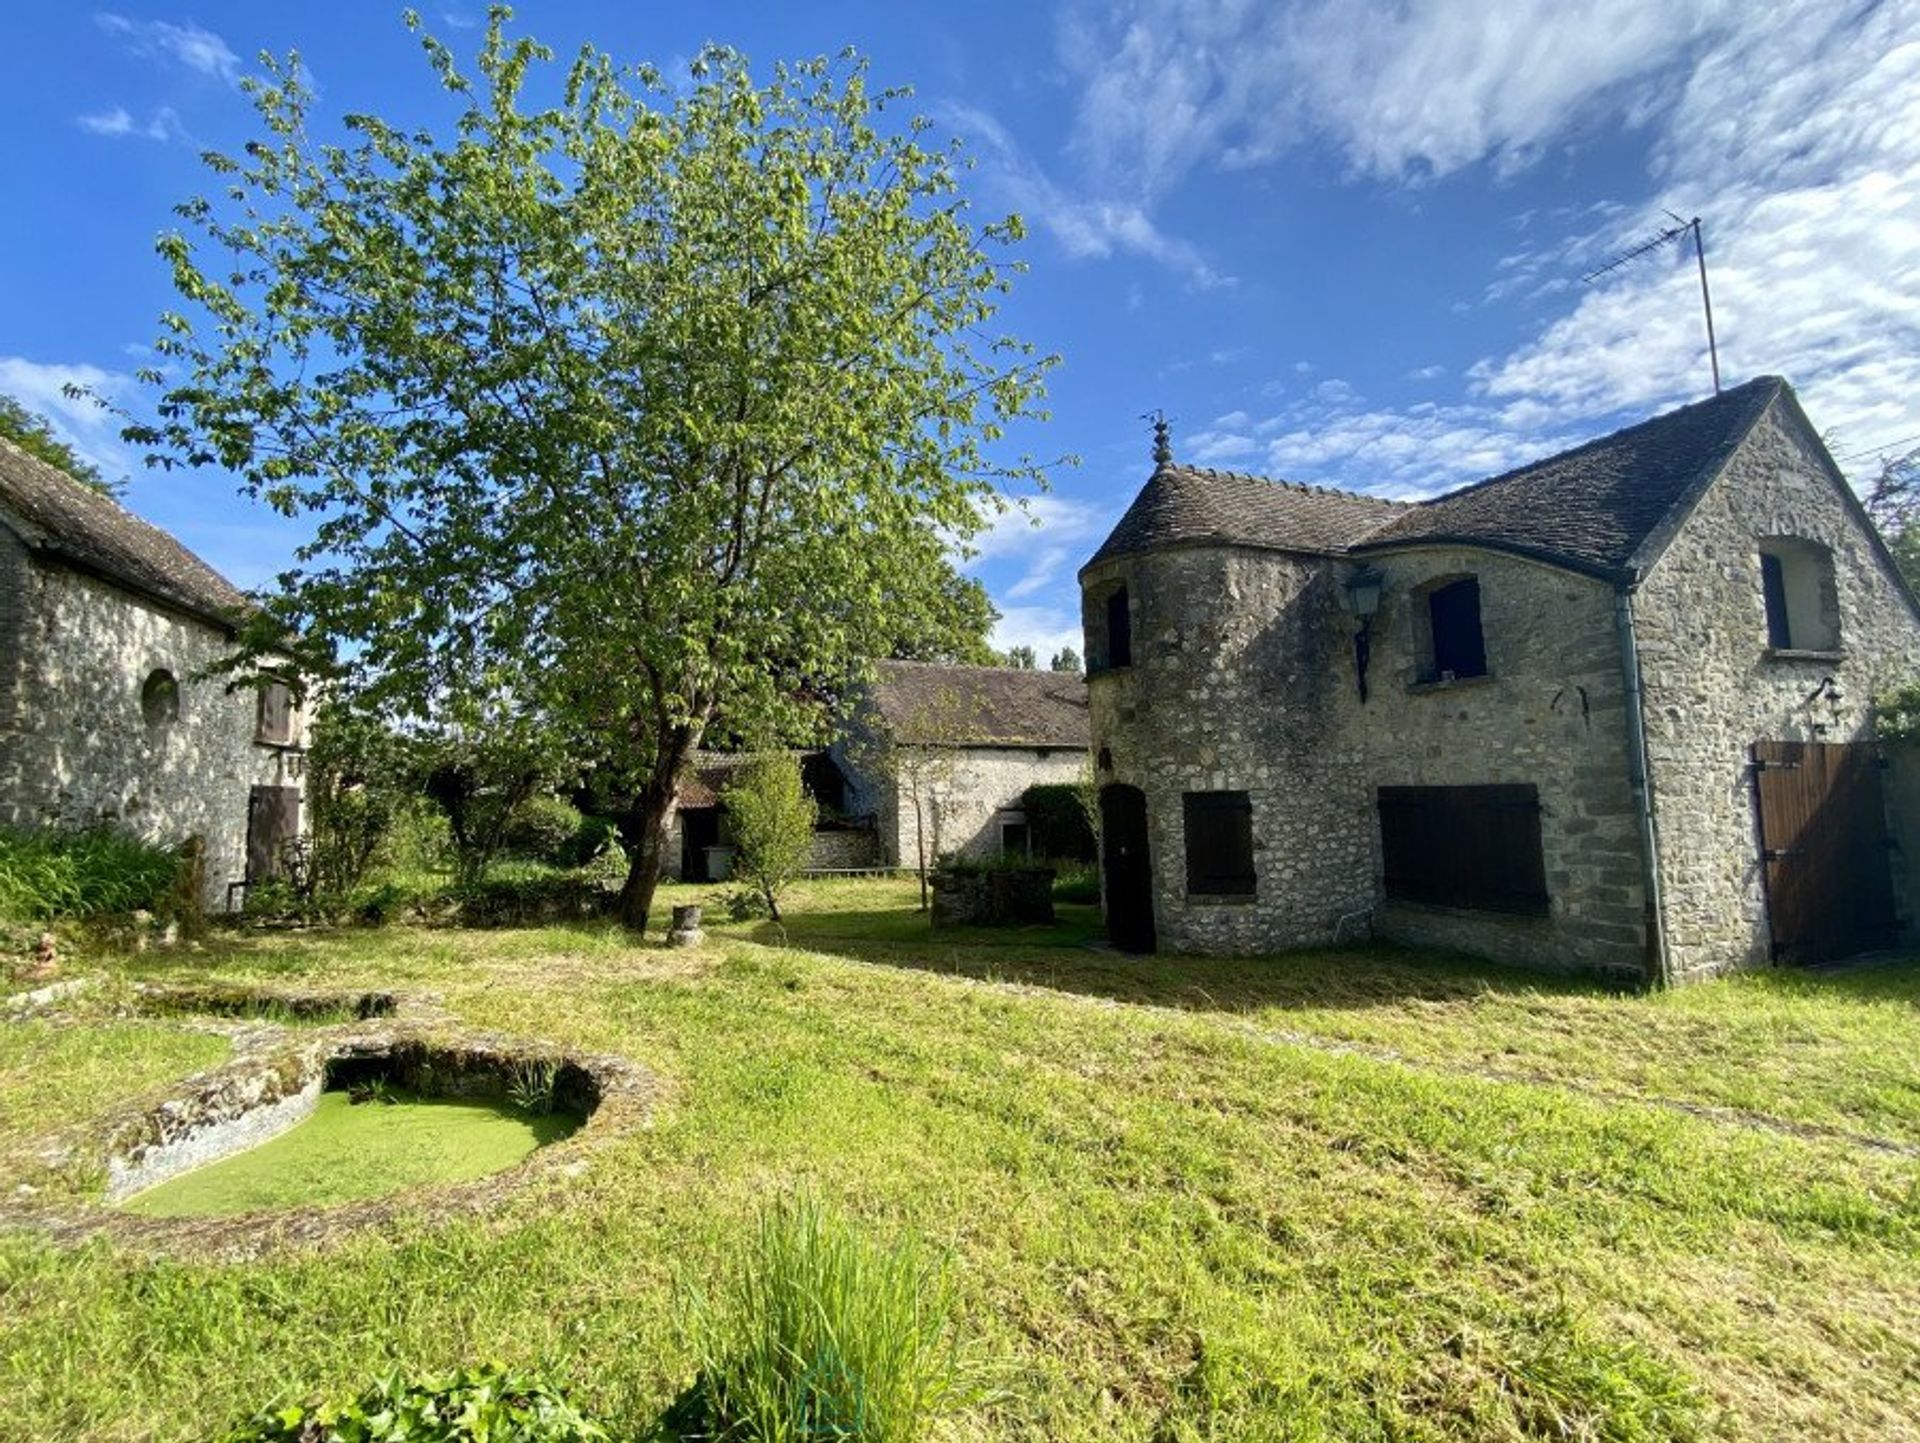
x=626 y=412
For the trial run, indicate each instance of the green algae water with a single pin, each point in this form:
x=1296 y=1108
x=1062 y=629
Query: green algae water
x=347 y=1151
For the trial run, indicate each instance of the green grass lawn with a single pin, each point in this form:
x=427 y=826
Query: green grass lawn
x=1352 y=1195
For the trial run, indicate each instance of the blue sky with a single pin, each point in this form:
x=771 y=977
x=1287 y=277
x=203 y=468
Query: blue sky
x=1335 y=241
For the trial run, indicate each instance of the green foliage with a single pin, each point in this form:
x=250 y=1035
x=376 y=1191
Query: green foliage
x=514 y=897
x=33 y=434
x=1896 y=714
x=1021 y=658
x=98 y=872
x=488 y=1404
x=821 y=1333
x=481 y=777
x=659 y=404
x=1079 y=883
x=360 y=781
x=771 y=818
x=531 y=1088
x=1067 y=659
x=1057 y=822
x=543 y=827
x=1894 y=504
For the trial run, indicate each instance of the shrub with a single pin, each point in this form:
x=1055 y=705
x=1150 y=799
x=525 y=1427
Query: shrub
x=543 y=828
x=1057 y=821
x=1897 y=714
x=772 y=820
x=591 y=840
x=490 y=1403
x=1077 y=882
x=360 y=777
x=98 y=872
x=820 y=1333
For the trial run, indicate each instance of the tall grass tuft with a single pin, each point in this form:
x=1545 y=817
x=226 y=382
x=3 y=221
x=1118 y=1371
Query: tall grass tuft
x=93 y=873
x=820 y=1333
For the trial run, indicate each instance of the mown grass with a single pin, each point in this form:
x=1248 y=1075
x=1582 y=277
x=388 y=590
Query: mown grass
x=1166 y=1221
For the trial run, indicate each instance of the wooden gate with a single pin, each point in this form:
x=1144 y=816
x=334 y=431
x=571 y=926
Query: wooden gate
x=273 y=820
x=1823 y=845
x=1128 y=871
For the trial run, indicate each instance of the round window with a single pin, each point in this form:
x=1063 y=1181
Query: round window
x=160 y=698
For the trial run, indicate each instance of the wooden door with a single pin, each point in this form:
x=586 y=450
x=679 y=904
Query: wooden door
x=1127 y=868
x=1823 y=847
x=273 y=820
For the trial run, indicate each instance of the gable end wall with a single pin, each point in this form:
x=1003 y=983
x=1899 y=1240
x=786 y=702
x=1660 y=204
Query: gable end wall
x=1711 y=690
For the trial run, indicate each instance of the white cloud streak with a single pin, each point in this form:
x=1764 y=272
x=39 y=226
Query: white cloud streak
x=188 y=45
x=84 y=424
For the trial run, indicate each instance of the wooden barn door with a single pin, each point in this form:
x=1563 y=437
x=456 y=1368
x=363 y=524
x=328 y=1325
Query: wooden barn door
x=273 y=820
x=1823 y=844
x=1126 y=868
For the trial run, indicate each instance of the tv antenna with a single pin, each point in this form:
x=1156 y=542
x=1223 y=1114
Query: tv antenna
x=1673 y=232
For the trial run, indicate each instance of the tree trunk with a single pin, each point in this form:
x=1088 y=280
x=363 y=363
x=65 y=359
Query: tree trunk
x=645 y=830
x=920 y=848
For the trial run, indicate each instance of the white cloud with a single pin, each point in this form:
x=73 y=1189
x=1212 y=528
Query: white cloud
x=117 y=124
x=1793 y=128
x=190 y=45
x=1086 y=225
x=1036 y=523
x=1044 y=628
x=90 y=428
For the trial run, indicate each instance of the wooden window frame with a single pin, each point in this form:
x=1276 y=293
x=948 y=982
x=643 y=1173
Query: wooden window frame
x=1218 y=836
x=264 y=733
x=1470 y=848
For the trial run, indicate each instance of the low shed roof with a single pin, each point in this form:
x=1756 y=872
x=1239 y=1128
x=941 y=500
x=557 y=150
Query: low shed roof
x=938 y=705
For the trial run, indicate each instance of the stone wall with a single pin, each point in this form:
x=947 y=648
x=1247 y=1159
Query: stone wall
x=1713 y=688
x=1243 y=680
x=970 y=792
x=844 y=849
x=75 y=748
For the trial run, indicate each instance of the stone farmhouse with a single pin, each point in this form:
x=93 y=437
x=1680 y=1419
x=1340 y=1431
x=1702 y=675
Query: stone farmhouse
x=969 y=741
x=964 y=742
x=1610 y=711
x=106 y=624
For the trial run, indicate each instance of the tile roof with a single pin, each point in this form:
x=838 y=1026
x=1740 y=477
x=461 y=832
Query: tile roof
x=1195 y=505
x=1603 y=506
x=56 y=515
x=1597 y=506
x=988 y=705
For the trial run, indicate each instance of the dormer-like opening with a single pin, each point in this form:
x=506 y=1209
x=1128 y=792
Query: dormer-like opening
x=1798 y=594
x=160 y=698
x=1448 y=642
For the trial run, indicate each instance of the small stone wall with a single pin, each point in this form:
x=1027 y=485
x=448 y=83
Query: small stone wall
x=1011 y=897
x=844 y=849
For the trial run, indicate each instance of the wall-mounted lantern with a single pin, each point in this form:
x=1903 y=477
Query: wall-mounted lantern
x=1361 y=598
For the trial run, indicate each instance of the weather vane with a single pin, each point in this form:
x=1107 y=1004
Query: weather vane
x=1162 y=438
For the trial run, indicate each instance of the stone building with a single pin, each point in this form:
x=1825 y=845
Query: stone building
x=1610 y=711
x=106 y=624
x=930 y=754
x=940 y=756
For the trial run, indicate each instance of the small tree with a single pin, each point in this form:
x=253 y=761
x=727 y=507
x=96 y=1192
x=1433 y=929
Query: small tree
x=1894 y=504
x=360 y=777
x=916 y=754
x=1022 y=658
x=772 y=819
x=1066 y=659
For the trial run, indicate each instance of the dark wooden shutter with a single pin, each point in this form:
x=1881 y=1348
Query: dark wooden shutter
x=1458 y=646
x=275 y=715
x=1773 y=586
x=1470 y=847
x=1119 y=630
x=1219 y=828
x=273 y=821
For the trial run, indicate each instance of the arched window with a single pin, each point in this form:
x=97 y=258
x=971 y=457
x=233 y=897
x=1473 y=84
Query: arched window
x=160 y=698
